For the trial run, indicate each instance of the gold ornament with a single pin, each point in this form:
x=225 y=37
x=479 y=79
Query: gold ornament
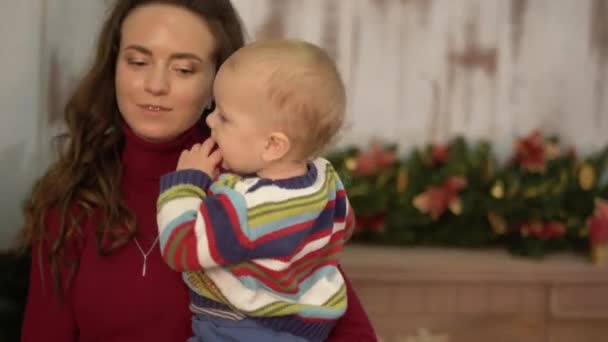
x=351 y=164
x=498 y=190
x=586 y=177
x=498 y=223
x=456 y=207
x=552 y=150
x=402 y=180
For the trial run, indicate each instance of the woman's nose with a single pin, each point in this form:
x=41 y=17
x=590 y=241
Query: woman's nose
x=157 y=82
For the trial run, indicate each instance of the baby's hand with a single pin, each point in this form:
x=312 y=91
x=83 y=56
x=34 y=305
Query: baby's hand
x=201 y=157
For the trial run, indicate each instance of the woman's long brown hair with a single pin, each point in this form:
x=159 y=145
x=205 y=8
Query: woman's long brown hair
x=85 y=179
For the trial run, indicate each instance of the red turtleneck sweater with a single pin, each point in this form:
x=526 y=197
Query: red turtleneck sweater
x=109 y=300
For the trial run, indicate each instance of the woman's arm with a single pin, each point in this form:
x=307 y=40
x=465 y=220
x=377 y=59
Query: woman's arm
x=354 y=326
x=46 y=318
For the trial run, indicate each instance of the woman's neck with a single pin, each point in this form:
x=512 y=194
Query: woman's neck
x=142 y=159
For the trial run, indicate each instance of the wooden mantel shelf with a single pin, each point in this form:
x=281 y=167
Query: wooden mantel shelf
x=458 y=265
x=479 y=295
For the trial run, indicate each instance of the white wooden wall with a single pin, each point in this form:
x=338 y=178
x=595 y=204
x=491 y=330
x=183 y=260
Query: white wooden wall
x=44 y=46
x=422 y=70
x=416 y=70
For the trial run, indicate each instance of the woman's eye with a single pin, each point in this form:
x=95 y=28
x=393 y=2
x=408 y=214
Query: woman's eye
x=184 y=71
x=135 y=62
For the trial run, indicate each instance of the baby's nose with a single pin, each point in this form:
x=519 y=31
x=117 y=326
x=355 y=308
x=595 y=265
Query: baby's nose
x=210 y=121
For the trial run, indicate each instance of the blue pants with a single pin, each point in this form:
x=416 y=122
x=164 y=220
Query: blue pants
x=217 y=329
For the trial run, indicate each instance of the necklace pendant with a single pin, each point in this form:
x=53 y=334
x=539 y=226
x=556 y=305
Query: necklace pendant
x=143 y=270
x=145 y=254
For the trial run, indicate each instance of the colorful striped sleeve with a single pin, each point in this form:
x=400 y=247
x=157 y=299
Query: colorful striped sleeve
x=349 y=217
x=190 y=221
x=199 y=231
x=181 y=194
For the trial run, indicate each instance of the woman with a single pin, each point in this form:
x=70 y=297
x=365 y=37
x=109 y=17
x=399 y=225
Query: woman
x=97 y=274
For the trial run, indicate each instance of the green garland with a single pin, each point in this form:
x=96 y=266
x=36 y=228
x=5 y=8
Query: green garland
x=457 y=195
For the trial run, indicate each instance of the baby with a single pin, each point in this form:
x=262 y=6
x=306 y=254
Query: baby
x=259 y=244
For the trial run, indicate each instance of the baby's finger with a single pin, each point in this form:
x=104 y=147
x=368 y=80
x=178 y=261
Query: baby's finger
x=215 y=157
x=184 y=154
x=207 y=146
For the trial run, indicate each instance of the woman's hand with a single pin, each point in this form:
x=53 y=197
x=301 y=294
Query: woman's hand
x=201 y=157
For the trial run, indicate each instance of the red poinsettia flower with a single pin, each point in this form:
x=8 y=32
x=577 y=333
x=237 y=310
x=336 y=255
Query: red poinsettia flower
x=598 y=223
x=375 y=223
x=374 y=160
x=440 y=153
x=552 y=230
x=543 y=231
x=530 y=152
x=438 y=198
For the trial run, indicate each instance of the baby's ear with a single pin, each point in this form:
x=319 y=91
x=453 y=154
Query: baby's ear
x=277 y=146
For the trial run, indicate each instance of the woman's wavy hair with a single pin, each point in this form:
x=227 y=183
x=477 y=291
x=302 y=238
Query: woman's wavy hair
x=85 y=179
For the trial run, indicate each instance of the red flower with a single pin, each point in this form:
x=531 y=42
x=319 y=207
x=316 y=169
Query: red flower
x=440 y=153
x=374 y=160
x=552 y=230
x=543 y=231
x=598 y=223
x=374 y=223
x=530 y=152
x=531 y=228
x=438 y=198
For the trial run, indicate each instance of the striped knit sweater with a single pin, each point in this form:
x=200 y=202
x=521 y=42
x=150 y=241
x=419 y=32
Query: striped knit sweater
x=258 y=248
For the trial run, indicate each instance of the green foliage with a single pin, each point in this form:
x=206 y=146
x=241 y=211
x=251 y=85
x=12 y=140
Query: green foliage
x=535 y=203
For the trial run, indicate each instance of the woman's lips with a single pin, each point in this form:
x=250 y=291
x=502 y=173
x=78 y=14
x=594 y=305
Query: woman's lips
x=151 y=109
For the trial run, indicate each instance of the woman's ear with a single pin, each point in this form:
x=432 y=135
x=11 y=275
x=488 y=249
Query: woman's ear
x=277 y=146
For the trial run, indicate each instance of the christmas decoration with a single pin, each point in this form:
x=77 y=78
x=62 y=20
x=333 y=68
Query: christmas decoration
x=545 y=198
x=598 y=232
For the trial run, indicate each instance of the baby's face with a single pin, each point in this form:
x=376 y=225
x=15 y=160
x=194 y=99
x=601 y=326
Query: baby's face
x=237 y=123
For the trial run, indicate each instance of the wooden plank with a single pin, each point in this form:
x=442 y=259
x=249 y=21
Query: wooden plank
x=421 y=264
x=426 y=70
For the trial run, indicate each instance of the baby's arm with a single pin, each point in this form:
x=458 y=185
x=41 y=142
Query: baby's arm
x=349 y=220
x=185 y=213
x=201 y=230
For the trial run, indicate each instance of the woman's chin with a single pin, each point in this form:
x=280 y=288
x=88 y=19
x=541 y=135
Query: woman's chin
x=155 y=134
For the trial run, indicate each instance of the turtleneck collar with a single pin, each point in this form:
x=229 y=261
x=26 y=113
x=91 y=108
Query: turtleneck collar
x=144 y=160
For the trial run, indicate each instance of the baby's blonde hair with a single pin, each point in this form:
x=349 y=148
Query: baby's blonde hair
x=303 y=85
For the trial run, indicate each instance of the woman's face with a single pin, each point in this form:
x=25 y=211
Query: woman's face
x=164 y=70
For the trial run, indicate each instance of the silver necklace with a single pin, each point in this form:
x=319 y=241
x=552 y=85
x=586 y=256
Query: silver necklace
x=145 y=254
